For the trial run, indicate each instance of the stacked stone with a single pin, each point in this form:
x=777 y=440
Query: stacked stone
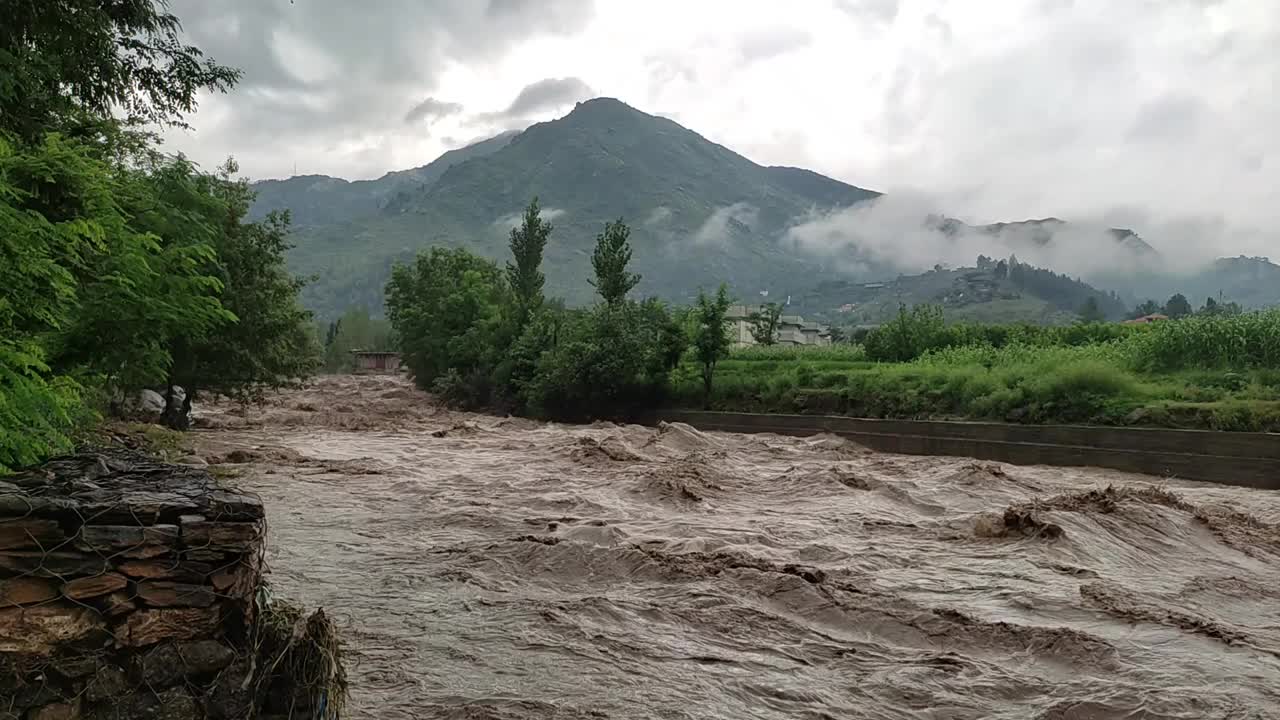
x=126 y=591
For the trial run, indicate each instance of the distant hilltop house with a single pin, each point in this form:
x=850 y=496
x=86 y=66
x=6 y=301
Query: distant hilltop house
x=1146 y=319
x=792 y=329
x=375 y=361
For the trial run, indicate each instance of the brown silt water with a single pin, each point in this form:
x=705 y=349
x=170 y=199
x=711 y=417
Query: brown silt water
x=487 y=567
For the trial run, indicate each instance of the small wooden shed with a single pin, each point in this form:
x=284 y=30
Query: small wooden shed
x=376 y=361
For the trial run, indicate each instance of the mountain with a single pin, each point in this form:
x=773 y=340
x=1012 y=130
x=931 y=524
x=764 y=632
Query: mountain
x=990 y=292
x=1254 y=282
x=700 y=214
x=318 y=200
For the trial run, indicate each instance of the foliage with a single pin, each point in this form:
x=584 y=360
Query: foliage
x=1249 y=340
x=1145 y=308
x=446 y=309
x=764 y=323
x=1090 y=312
x=63 y=59
x=610 y=259
x=355 y=330
x=1177 y=306
x=119 y=267
x=270 y=345
x=613 y=362
x=1211 y=372
x=710 y=337
x=524 y=274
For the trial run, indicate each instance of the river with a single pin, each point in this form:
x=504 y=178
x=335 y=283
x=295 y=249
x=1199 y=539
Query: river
x=500 y=568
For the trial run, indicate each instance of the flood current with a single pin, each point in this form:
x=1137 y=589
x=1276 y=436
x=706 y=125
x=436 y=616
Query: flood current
x=501 y=568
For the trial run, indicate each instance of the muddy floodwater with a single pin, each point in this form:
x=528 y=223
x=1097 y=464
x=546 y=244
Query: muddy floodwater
x=487 y=567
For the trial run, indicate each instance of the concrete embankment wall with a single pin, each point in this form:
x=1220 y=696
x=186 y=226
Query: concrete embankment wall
x=1245 y=459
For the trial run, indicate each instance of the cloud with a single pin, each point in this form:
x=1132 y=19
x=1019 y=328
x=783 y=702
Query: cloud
x=542 y=96
x=660 y=215
x=725 y=223
x=909 y=232
x=878 y=11
x=513 y=220
x=331 y=78
x=768 y=43
x=431 y=109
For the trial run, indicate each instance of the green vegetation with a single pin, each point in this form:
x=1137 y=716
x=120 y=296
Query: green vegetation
x=1206 y=371
x=121 y=268
x=479 y=337
x=355 y=330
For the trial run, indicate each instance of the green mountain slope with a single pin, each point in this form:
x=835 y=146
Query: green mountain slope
x=319 y=200
x=990 y=292
x=700 y=214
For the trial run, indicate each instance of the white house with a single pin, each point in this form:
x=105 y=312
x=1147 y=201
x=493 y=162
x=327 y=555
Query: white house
x=792 y=329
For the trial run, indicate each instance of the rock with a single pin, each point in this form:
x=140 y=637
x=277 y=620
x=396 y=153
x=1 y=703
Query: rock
x=199 y=533
x=148 y=627
x=166 y=593
x=108 y=683
x=51 y=564
x=172 y=704
x=116 y=604
x=193 y=461
x=57 y=711
x=166 y=569
x=228 y=505
x=229 y=698
x=138 y=507
x=29 y=532
x=129 y=541
x=26 y=591
x=76 y=667
x=21 y=504
x=89 y=587
x=43 y=628
x=239 y=581
x=167 y=665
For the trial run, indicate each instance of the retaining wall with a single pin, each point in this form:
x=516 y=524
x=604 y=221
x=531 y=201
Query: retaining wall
x=127 y=590
x=1247 y=459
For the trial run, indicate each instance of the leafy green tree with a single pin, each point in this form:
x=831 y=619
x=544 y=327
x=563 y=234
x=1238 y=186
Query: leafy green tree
x=71 y=62
x=270 y=345
x=524 y=275
x=1090 y=312
x=764 y=323
x=446 y=309
x=355 y=330
x=908 y=336
x=609 y=260
x=711 y=340
x=1177 y=306
x=1145 y=308
x=614 y=361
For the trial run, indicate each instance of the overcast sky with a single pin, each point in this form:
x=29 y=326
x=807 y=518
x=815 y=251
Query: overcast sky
x=1162 y=115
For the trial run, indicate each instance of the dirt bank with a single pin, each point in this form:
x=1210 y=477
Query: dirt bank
x=501 y=568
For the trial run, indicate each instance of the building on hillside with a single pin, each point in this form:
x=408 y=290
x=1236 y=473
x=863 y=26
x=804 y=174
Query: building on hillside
x=792 y=329
x=1147 y=319
x=372 y=361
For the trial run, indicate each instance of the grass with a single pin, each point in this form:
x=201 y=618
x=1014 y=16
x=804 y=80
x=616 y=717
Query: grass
x=1171 y=375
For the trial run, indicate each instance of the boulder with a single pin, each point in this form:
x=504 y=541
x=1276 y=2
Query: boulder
x=43 y=628
x=148 y=627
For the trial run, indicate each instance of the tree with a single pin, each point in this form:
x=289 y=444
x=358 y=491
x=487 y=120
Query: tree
x=446 y=309
x=711 y=340
x=355 y=330
x=1177 y=306
x=70 y=62
x=1145 y=308
x=525 y=275
x=1090 y=312
x=610 y=259
x=764 y=323
x=270 y=345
